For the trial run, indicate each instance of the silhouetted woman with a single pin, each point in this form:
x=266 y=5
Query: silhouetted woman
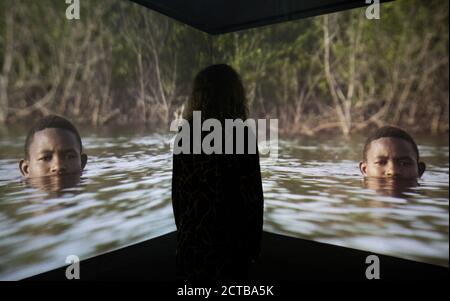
x=217 y=198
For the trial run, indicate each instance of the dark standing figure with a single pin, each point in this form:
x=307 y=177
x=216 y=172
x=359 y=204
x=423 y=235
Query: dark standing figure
x=217 y=198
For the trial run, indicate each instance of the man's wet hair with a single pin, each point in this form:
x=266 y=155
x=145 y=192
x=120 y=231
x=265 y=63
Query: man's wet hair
x=389 y=132
x=51 y=122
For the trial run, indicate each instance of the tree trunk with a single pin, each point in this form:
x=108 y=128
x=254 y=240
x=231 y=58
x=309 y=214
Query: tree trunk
x=7 y=63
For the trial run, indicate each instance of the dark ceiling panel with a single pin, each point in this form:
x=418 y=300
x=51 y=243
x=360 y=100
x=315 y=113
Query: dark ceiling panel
x=222 y=16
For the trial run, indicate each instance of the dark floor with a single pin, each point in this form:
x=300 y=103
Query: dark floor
x=282 y=259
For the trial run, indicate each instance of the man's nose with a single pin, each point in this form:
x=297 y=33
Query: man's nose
x=58 y=166
x=391 y=170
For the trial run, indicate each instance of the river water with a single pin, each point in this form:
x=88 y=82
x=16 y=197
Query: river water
x=314 y=191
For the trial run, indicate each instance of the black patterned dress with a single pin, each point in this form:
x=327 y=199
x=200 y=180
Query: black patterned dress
x=218 y=207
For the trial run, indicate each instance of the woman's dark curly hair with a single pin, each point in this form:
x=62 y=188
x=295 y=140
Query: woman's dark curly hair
x=218 y=93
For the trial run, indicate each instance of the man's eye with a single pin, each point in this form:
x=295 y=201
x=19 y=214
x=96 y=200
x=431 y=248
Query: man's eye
x=70 y=156
x=405 y=163
x=46 y=158
x=380 y=162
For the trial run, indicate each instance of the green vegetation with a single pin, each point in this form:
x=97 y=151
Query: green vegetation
x=124 y=64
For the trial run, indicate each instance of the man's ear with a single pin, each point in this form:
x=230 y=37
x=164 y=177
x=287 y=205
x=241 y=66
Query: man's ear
x=24 y=168
x=422 y=168
x=363 y=168
x=83 y=160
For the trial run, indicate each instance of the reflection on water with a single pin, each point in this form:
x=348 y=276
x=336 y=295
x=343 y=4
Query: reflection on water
x=395 y=187
x=314 y=191
x=54 y=185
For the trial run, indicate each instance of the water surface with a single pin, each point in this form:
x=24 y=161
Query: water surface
x=314 y=191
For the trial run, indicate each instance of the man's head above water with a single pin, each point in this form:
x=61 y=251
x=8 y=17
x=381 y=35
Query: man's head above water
x=391 y=152
x=53 y=147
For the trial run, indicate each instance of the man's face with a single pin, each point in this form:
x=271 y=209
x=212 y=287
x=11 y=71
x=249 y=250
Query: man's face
x=391 y=158
x=53 y=152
